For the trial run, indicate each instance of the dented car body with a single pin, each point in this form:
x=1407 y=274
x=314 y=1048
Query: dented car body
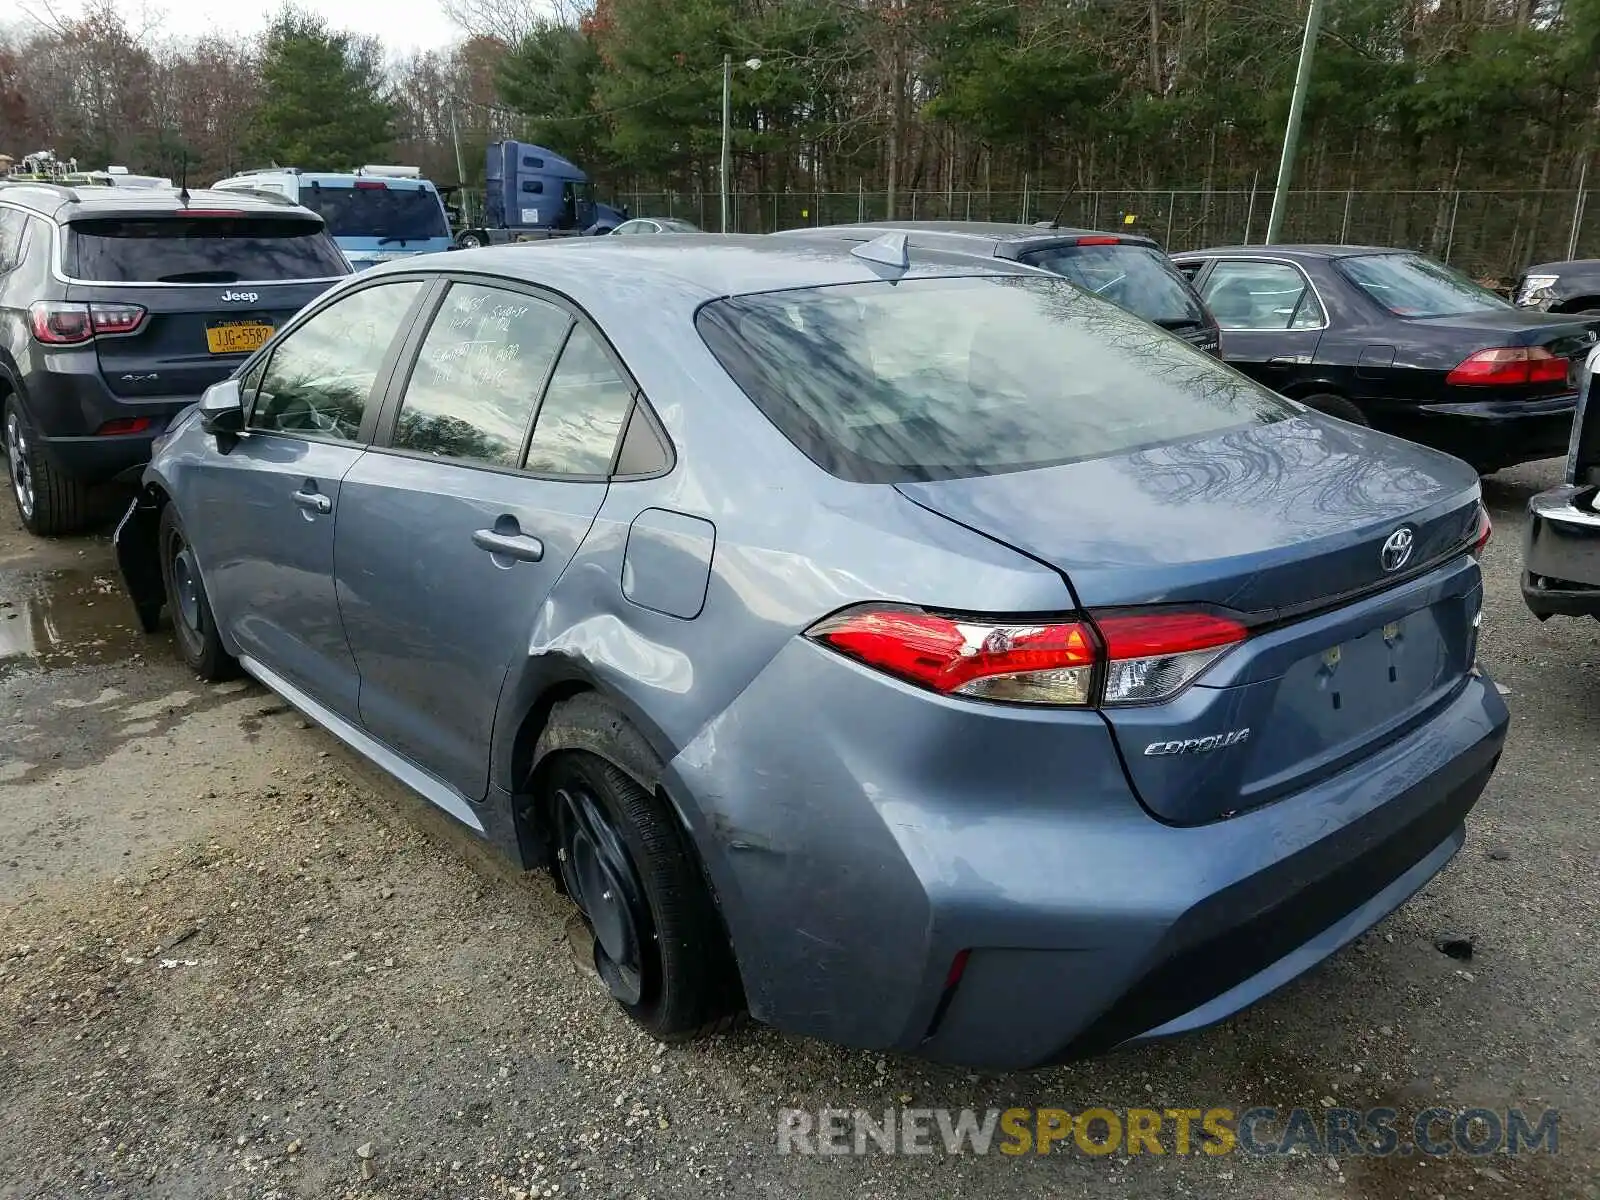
x=861 y=619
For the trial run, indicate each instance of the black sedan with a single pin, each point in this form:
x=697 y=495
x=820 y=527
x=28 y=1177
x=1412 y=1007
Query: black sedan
x=1392 y=339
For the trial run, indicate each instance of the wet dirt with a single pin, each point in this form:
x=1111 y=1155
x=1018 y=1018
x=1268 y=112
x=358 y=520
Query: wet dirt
x=64 y=618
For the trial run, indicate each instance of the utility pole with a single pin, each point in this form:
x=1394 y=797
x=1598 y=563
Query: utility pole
x=727 y=120
x=455 y=137
x=1291 y=132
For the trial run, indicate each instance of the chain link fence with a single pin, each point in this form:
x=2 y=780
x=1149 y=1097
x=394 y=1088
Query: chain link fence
x=1491 y=235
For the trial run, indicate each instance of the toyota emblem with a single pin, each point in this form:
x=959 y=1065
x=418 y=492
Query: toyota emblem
x=1396 y=551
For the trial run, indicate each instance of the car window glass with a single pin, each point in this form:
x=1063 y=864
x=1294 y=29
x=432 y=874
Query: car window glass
x=1137 y=278
x=578 y=423
x=1409 y=285
x=1261 y=295
x=953 y=377
x=13 y=226
x=320 y=376
x=478 y=375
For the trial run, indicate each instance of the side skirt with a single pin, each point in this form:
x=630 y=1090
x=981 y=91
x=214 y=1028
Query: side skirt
x=425 y=785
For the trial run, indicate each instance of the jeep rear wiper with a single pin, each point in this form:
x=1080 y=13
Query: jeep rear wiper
x=1180 y=323
x=384 y=241
x=200 y=277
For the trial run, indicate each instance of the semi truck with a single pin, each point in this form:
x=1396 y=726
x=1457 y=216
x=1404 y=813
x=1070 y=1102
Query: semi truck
x=532 y=193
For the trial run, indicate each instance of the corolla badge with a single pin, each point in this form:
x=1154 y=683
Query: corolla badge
x=1396 y=551
x=1217 y=741
x=246 y=297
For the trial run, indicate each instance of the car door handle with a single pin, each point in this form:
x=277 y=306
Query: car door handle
x=1289 y=360
x=313 y=502
x=512 y=545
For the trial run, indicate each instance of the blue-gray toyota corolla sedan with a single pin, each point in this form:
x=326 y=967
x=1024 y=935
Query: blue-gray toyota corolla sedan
x=916 y=651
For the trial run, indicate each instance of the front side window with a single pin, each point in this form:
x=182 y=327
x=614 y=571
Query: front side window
x=478 y=375
x=13 y=232
x=583 y=411
x=942 y=378
x=319 y=378
x=1262 y=296
x=1409 y=285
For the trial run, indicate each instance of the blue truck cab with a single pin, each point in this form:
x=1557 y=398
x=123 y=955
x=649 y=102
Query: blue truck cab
x=532 y=193
x=375 y=213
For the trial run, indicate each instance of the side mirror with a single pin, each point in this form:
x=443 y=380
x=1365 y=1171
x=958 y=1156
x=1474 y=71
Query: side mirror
x=222 y=408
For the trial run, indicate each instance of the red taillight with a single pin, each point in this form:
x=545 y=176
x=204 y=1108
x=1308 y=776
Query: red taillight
x=371 y=185
x=61 y=324
x=1511 y=366
x=1484 y=533
x=124 y=425
x=958 y=968
x=57 y=324
x=1147 y=656
x=116 y=318
x=1100 y=239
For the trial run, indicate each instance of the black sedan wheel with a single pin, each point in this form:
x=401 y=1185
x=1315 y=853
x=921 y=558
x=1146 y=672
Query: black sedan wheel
x=658 y=943
x=194 y=627
x=1336 y=406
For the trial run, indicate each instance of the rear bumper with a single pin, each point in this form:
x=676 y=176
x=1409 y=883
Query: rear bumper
x=1492 y=434
x=1561 y=554
x=854 y=866
x=67 y=401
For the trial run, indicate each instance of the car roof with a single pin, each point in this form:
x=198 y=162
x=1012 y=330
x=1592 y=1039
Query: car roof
x=684 y=270
x=68 y=203
x=1293 y=250
x=991 y=233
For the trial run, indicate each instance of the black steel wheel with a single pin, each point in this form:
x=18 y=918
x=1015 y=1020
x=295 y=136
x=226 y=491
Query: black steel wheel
x=659 y=946
x=193 y=625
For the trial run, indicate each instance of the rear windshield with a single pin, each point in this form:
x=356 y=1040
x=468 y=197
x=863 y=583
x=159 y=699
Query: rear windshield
x=1138 y=278
x=200 y=250
x=1409 y=285
x=949 y=377
x=386 y=213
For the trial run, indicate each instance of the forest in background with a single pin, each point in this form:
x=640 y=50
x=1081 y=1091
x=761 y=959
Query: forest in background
x=1024 y=104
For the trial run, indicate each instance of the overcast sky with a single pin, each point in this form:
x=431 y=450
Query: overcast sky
x=402 y=24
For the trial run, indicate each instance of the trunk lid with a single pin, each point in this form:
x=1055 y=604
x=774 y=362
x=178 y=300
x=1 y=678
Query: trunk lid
x=1285 y=523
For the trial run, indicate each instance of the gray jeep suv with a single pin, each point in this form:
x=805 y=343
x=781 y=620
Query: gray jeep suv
x=118 y=308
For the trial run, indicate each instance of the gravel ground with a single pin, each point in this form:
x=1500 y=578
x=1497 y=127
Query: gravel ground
x=234 y=960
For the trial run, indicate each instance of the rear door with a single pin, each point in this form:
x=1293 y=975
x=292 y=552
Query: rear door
x=496 y=450
x=1270 y=315
x=201 y=290
x=273 y=499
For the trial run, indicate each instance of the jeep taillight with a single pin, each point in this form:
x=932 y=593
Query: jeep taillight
x=59 y=323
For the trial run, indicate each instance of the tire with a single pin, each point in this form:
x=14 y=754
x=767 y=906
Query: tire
x=49 y=502
x=1335 y=406
x=194 y=627
x=469 y=241
x=659 y=944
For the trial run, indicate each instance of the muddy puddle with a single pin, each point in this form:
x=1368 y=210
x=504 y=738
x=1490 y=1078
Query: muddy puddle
x=55 y=619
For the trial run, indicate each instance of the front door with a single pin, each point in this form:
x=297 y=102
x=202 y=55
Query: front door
x=452 y=535
x=1270 y=316
x=273 y=498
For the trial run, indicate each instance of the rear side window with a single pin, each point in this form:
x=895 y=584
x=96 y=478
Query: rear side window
x=583 y=410
x=180 y=249
x=1262 y=296
x=1138 y=278
x=950 y=377
x=478 y=375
